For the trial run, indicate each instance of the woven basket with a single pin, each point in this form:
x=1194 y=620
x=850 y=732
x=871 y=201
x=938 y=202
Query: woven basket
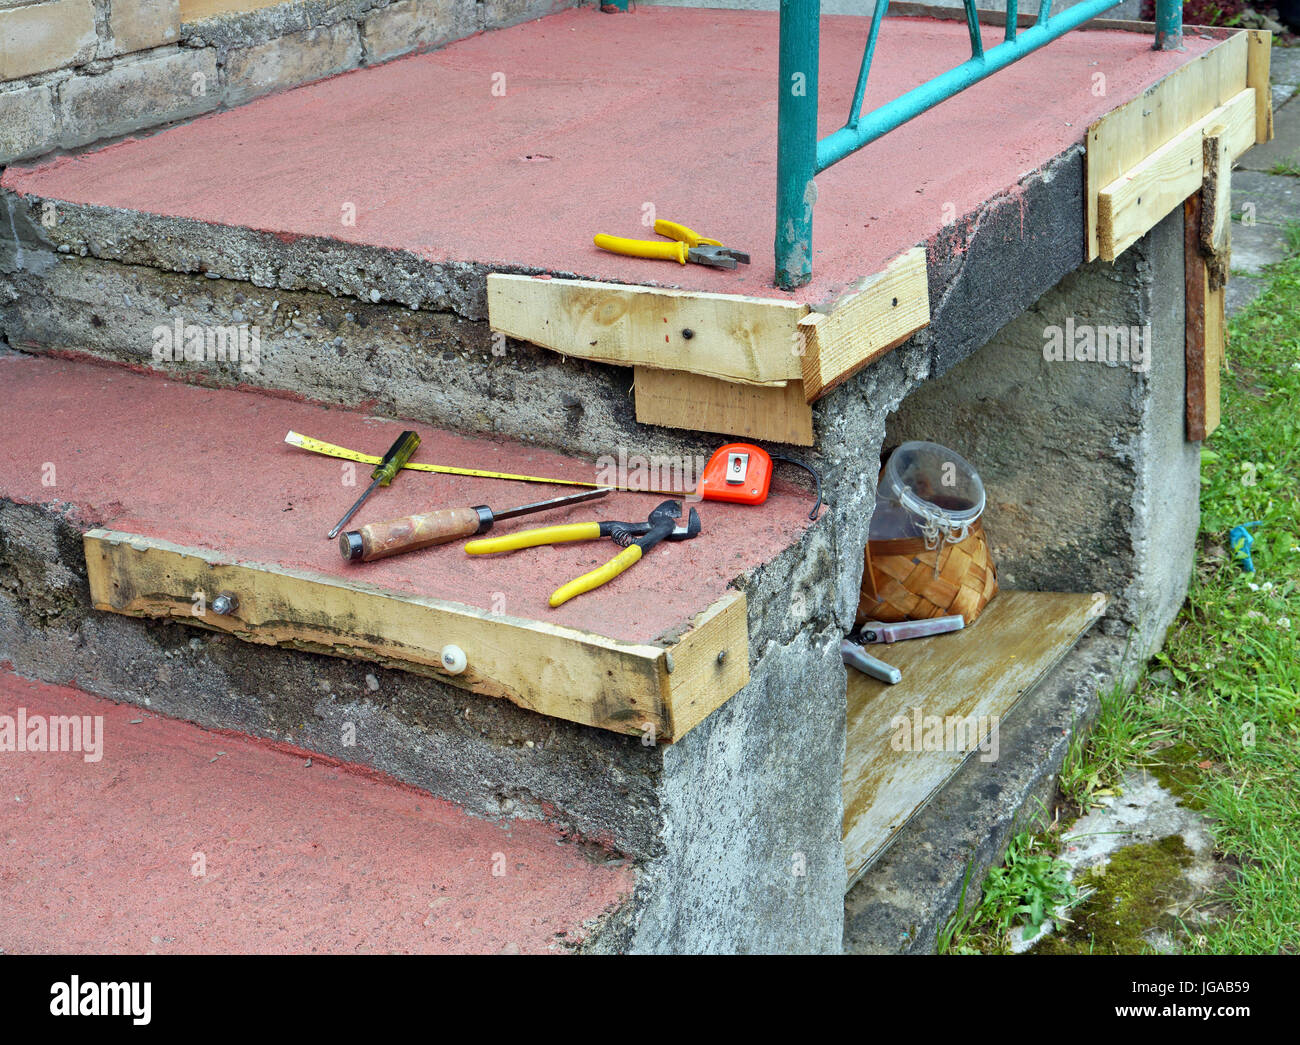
x=899 y=580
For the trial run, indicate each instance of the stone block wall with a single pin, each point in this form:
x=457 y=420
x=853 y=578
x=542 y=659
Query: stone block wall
x=74 y=72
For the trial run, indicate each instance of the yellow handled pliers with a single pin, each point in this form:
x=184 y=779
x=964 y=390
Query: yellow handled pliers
x=636 y=539
x=688 y=245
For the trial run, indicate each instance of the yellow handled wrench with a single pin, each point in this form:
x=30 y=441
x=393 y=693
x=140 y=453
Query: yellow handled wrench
x=636 y=538
x=687 y=245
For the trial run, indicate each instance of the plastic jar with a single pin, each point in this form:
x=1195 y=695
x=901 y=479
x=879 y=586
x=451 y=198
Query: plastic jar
x=927 y=490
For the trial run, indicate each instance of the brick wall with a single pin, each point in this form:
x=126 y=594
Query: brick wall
x=73 y=72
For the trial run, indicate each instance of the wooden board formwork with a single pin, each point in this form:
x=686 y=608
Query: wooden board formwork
x=1132 y=204
x=675 y=399
x=719 y=362
x=642 y=689
x=1125 y=137
x=1205 y=326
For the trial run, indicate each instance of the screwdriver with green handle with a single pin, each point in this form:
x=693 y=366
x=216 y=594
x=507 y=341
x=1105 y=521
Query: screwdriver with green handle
x=388 y=467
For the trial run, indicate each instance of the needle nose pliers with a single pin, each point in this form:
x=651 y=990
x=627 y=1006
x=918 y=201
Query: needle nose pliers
x=637 y=538
x=688 y=245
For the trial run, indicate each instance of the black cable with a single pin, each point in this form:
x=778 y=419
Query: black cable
x=817 y=479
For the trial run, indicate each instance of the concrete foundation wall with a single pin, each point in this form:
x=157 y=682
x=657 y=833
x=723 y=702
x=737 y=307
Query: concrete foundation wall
x=1091 y=483
x=75 y=72
x=735 y=831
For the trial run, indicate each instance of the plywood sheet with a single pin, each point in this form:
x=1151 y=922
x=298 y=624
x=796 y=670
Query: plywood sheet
x=965 y=678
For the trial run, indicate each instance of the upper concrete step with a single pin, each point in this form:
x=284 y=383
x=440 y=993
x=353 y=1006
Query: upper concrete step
x=507 y=151
x=133 y=833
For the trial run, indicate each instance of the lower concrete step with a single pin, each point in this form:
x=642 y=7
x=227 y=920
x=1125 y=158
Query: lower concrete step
x=128 y=832
x=198 y=495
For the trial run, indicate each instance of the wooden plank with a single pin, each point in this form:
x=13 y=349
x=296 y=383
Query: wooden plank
x=1204 y=328
x=1259 y=54
x=1216 y=337
x=1126 y=136
x=883 y=312
x=1130 y=206
x=710 y=663
x=705 y=404
x=963 y=678
x=1216 y=202
x=731 y=337
x=557 y=671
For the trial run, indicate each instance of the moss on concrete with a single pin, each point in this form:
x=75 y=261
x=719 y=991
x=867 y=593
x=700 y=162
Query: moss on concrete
x=1178 y=773
x=1131 y=895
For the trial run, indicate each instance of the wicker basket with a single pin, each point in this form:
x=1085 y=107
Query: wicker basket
x=900 y=582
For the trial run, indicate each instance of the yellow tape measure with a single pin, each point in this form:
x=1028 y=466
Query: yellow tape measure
x=317 y=446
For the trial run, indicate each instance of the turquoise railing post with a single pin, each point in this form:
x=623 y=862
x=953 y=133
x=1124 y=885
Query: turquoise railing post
x=1169 y=25
x=801 y=157
x=796 y=140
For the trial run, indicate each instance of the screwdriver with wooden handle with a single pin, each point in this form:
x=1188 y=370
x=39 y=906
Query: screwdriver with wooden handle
x=387 y=468
x=380 y=540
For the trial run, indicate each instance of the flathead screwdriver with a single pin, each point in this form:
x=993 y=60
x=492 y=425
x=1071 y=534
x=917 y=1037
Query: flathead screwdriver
x=391 y=463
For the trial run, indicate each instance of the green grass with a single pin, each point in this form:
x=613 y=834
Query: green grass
x=1216 y=716
x=1225 y=691
x=1122 y=737
x=1029 y=886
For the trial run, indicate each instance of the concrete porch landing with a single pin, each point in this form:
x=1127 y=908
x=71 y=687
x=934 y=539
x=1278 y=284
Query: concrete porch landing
x=298 y=855
x=601 y=116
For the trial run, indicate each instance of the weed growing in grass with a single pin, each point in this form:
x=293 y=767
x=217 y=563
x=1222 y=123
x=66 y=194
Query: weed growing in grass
x=1030 y=886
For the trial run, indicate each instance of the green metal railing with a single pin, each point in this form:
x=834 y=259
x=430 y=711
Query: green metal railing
x=801 y=156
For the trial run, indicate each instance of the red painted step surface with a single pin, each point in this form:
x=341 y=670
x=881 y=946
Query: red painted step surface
x=512 y=148
x=209 y=468
x=174 y=839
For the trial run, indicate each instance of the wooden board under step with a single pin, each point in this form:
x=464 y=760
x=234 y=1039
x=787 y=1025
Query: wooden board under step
x=641 y=689
x=972 y=675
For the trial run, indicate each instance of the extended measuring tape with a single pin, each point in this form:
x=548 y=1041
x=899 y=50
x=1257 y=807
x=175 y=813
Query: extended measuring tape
x=737 y=472
x=317 y=446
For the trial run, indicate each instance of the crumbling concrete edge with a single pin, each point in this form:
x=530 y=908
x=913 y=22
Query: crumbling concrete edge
x=1043 y=211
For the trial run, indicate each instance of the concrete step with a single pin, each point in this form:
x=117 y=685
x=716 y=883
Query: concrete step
x=364 y=268
x=98 y=446
x=128 y=832
x=467 y=158
x=904 y=899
